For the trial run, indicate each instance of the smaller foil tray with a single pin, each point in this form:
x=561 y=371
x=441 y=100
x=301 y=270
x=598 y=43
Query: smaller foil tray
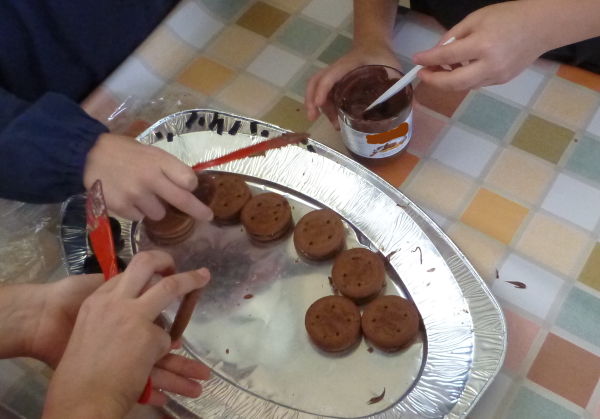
x=249 y=324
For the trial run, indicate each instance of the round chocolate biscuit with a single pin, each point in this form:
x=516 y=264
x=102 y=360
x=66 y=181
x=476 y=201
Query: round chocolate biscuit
x=333 y=323
x=174 y=227
x=390 y=322
x=319 y=234
x=206 y=189
x=267 y=216
x=358 y=274
x=231 y=195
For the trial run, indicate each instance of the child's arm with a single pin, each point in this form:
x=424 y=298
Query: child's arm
x=501 y=40
x=51 y=148
x=373 y=24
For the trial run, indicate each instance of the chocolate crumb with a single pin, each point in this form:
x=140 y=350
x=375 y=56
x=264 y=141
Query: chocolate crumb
x=191 y=119
x=370 y=350
x=465 y=310
x=296 y=261
x=428 y=284
x=264 y=133
x=202 y=121
x=159 y=135
x=378 y=398
x=420 y=252
x=227 y=351
x=497 y=274
x=431 y=270
x=311 y=148
x=220 y=126
x=248 y=296
x=402 y=206
x=169 y=137
x=253 y=127
x=518 y=284
x=235 y=128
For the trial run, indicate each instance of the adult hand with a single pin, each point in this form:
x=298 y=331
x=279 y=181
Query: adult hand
x=135 y=177
x=498 y=41
x=320 y=85
x=115 y=344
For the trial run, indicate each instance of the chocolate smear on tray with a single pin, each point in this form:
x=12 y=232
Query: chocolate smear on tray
x=517 y=284
x=264 y=133
x=253 y=127
x=420 y=253
x=378 y=398
x=248 y=296
x=159 y=135
x=202 y=121
x=431 y=270
x=169 y=137
x=191 y=119
x=388 y=258
x=497 y=274
x=235 y=128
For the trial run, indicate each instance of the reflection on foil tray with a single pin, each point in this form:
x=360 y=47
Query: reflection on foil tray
x=264 y=365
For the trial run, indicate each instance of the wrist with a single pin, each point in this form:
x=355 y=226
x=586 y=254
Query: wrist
x=20 y=310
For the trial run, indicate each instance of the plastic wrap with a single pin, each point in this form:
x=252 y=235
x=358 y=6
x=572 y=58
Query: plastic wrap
x=29 y=247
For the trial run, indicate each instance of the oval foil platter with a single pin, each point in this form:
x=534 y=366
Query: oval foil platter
x=249 y=324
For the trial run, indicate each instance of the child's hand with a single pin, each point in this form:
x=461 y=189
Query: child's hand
x=498 y=41
x=135 y=177
x=115 y=344
x=319 y=86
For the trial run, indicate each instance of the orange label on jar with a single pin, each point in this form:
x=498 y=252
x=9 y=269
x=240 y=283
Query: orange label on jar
x=377 y=145
x=386 y=137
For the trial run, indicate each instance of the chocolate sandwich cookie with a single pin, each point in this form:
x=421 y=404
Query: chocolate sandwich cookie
x=206 y=189
x=390 y=322
x=174 y=227
x=358 y=274
x=333 y=323
x=319 y=235
x=267 y=216
x=231 y=195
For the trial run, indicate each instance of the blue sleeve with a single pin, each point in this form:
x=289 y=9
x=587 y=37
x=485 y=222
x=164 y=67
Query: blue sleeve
x=43 y=147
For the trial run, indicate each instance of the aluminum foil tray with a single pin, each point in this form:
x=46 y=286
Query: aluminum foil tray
x=249 y=325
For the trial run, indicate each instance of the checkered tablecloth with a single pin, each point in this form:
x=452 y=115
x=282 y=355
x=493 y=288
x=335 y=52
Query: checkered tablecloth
x=511 y=173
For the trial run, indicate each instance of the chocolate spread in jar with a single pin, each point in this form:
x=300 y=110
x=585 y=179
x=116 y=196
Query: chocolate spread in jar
x=383 y=131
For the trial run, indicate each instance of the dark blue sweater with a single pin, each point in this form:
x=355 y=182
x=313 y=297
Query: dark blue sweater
x=53 y=53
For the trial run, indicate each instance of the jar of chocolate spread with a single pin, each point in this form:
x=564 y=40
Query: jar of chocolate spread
x=383 y=132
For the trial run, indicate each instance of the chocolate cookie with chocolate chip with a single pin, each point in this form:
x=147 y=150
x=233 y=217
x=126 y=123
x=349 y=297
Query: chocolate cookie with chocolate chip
x=390 y=322
x=358 y=274
x=319 y=235
x=267 y=217
x=333 y=323
x=231 y=195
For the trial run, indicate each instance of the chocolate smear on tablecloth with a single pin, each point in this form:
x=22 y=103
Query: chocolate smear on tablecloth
x=169 y=137
x=227 y=351
x=420 y=253
x=248 y=296
x=202 y=121
x=191 y=120
x=264 y=133
x=253 y=128
x=378 y=398
x=518 y=284
x=370 y=350
x=235 y=128
x=159 y=135
x=431 y=270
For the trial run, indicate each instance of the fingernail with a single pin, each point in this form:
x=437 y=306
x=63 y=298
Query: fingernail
x=205 y=274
